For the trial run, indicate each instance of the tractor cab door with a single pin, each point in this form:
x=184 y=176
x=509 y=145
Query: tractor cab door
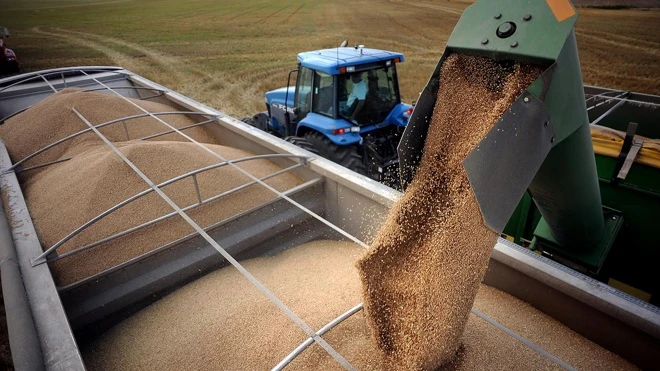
x=302 y=100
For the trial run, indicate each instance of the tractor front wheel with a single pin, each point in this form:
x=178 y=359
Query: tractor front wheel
x=346 y=156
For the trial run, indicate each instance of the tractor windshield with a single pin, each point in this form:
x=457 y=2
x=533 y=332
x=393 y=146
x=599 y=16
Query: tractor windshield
x=377 y=88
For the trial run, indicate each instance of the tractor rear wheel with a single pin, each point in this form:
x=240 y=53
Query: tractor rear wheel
x=302 y=143
x=346 y=156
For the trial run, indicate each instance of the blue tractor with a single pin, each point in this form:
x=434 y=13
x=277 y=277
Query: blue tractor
x=345 y=106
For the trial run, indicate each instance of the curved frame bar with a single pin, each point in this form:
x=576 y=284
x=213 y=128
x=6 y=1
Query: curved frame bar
x=100 y=275
x=43 y=257
x=341 y=318
x=62 y=140
x=181 y=128
x=167 y=216
x=309 y=341
x=2 y=120
x=160 y=91
x=18 y=171
x=58 y=72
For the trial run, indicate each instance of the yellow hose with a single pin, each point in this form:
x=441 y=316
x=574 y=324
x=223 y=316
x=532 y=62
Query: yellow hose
x=608 y=142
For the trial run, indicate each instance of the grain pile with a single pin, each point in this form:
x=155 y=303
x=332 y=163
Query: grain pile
x=52 y=119
x=233 y=326
x=64 y=196
x=423 y=270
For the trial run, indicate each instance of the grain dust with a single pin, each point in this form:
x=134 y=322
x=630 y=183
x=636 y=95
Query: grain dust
x=423 y=270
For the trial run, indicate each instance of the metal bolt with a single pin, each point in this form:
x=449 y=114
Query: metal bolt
x=484 y=41
x=514 y=44
x=614 y=218
x=545 y=124
x=527 y=17
x=498 y=16
x=526 y=99
x=552 y=140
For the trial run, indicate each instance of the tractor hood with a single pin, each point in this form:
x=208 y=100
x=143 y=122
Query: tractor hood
x=279 y=96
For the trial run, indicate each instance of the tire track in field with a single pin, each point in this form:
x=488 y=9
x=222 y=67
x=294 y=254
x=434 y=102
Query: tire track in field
x=411 y=29
x=619 y=44
x=167 y=63
x=248 y=12
x=226 y=91
x=623 y=38
x=71 y=5
x=172 y=67
x=294 y=13
x=432 y=6
x=116 y=57
x=273 y=13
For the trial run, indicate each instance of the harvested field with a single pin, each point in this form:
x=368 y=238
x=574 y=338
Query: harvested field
x=227 y=54
x=424 y=268
x=318 y=281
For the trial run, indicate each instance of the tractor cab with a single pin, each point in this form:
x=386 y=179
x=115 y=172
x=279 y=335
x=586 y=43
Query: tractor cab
x=345 y=99
x=360 y=95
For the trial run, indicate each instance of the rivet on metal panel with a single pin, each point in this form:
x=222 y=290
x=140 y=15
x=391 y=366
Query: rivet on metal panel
x=514 y=44
x=527 y=17
x=552 y=140
x=526 y=99
x=498 y=16
x=545 y=124
x=484 y=41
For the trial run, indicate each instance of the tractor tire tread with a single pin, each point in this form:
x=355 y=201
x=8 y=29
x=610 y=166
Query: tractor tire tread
x=346 y=156
x=302 y=143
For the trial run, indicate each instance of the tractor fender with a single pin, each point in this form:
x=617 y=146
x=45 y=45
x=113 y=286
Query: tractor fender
x=398 y=115
x=325 y=126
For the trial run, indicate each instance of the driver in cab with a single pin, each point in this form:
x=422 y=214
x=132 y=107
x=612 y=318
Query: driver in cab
x=356 y=98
